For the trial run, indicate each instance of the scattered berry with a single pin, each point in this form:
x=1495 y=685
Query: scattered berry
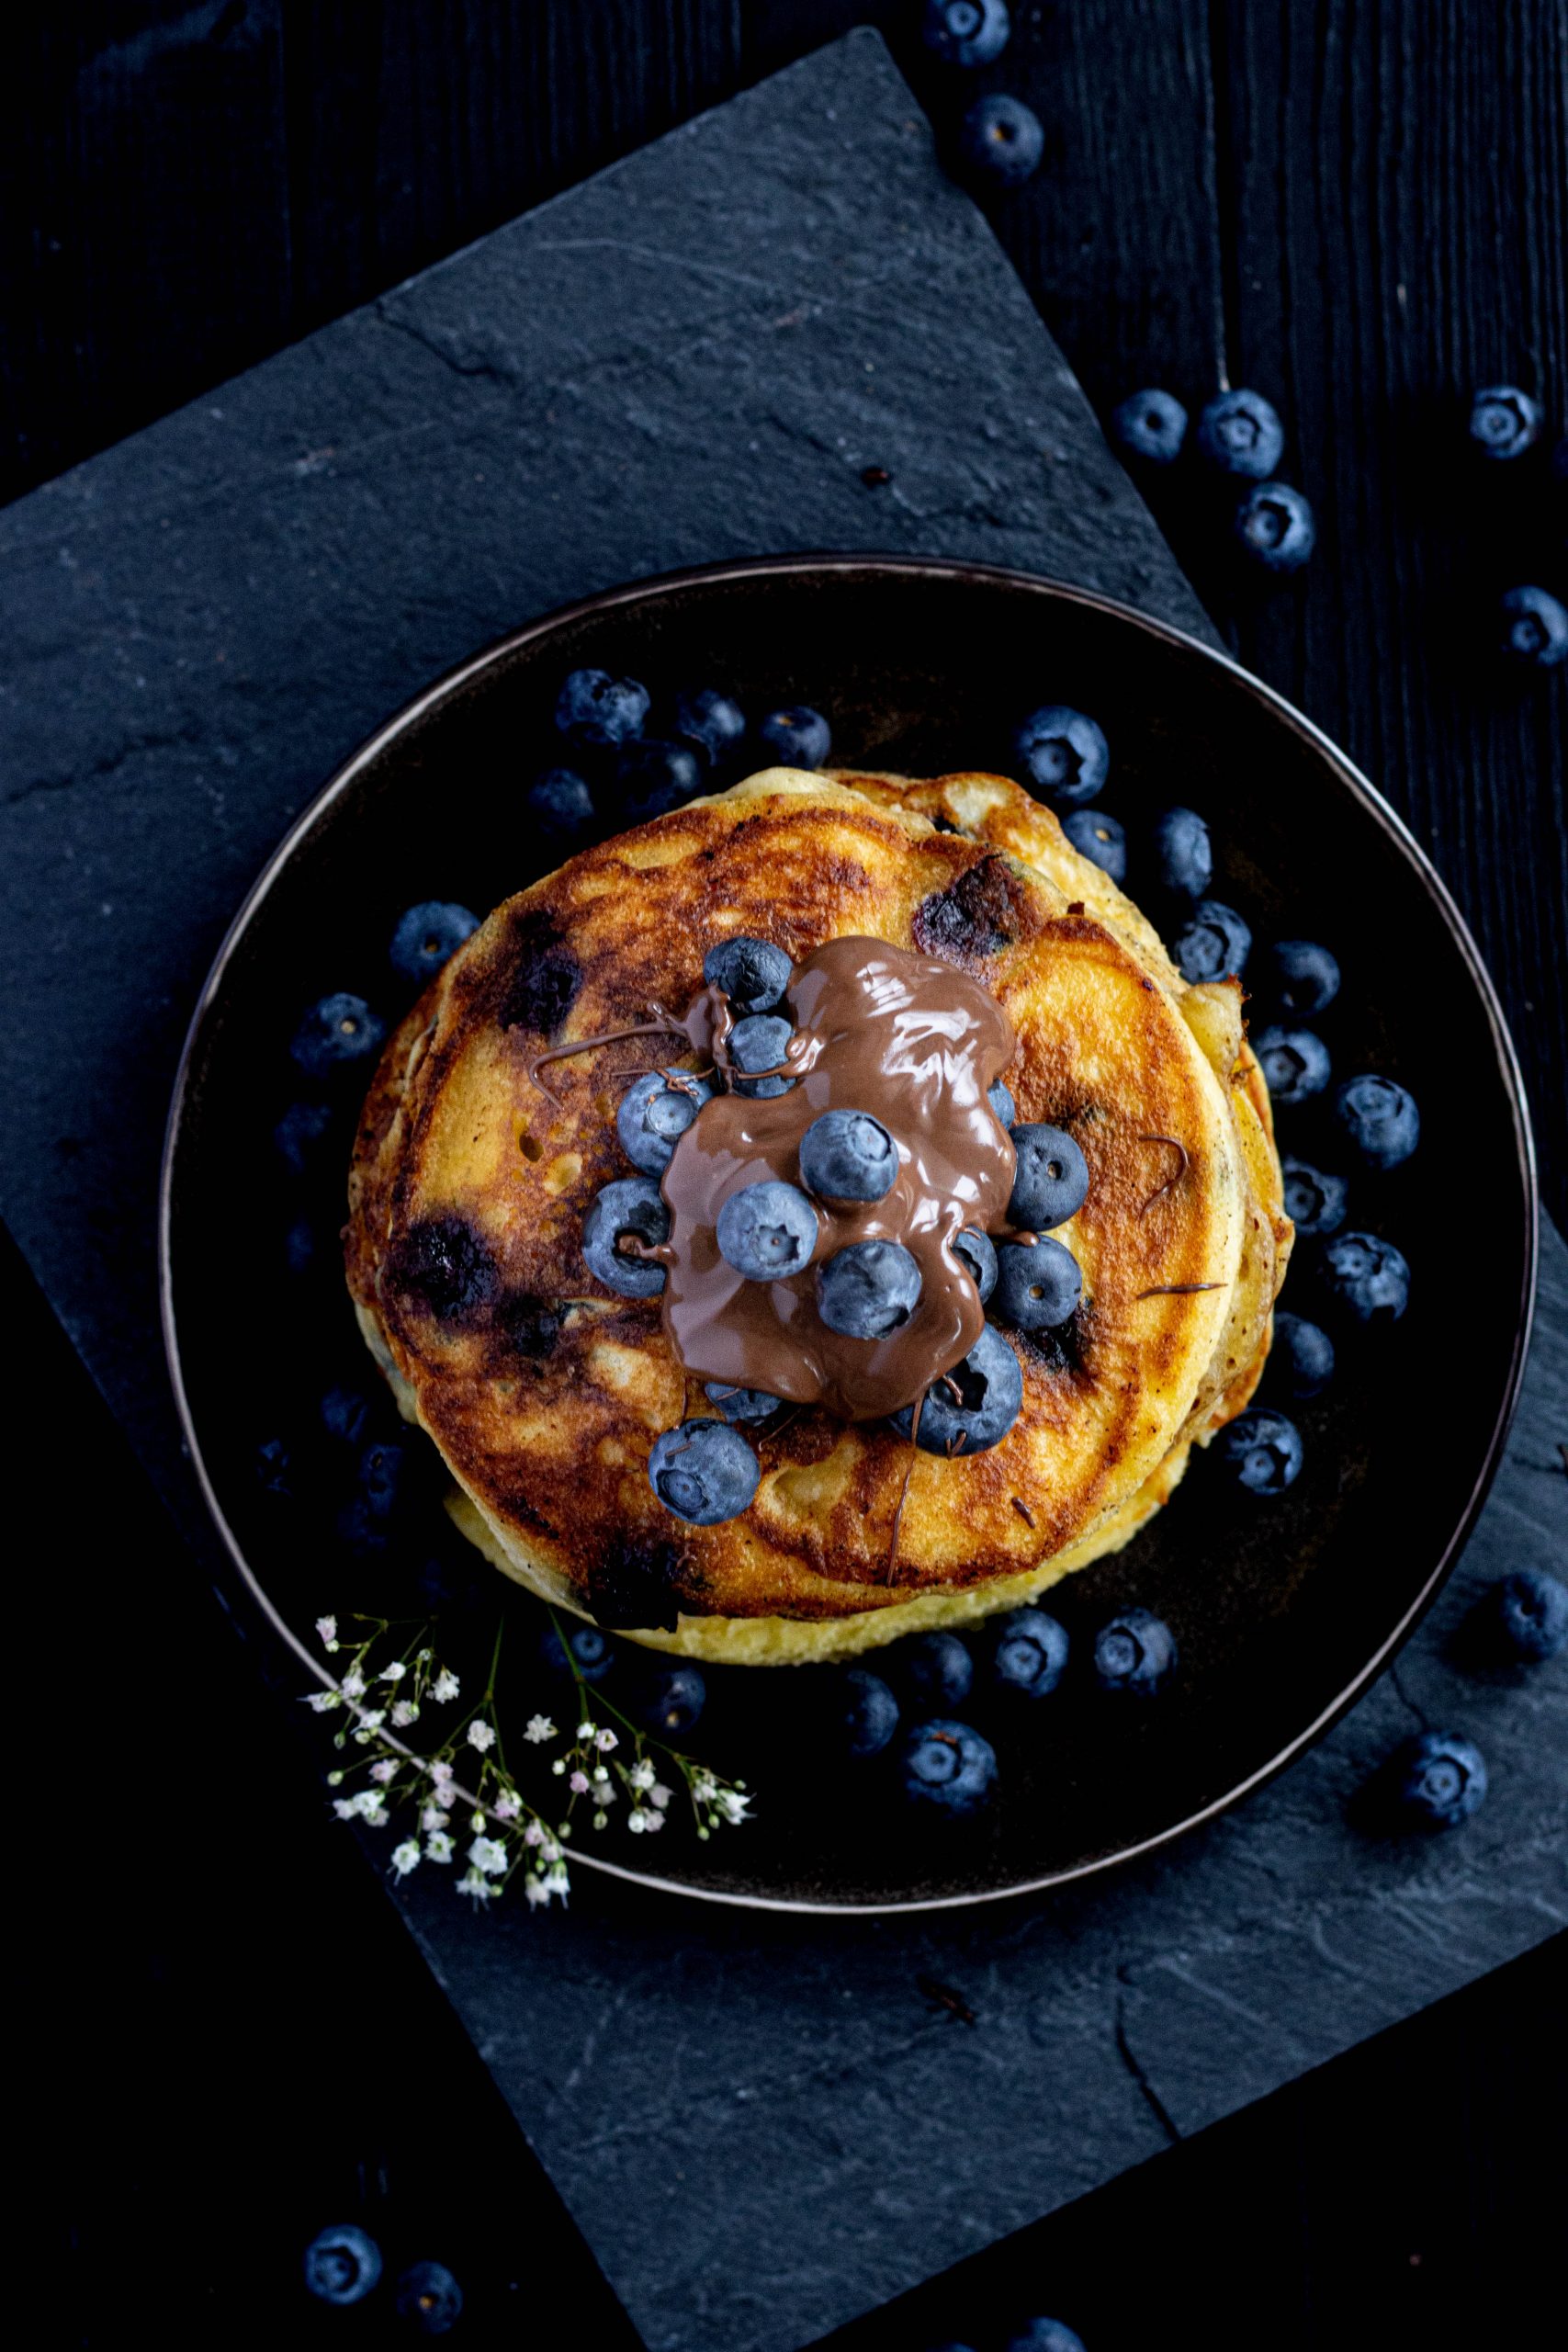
x=703 y=1472
x=562 y=807
x=1240 y=433
x=1099 y=839
x=654 y=1114
x=849 y=1156
x=1526 y=1614
x=275 y=1468
x=752 y=972
x=1276 y=526
x=1065 y=754
x=429 y=2298
x=1213 y=943
x=671 y=1700
x=862 y=1712
x=977 y=1251
x=383 y=1474
x=1052 y=1180
x=1314 y=1201
x=572 y=1644
x=868 y=1289
x=1137 y=1651
x=1535 y=627
x=1293 y=1061
x=1038 y=1285
x=966 y=32
x=1380 y=1118
x=345 y=1416
x=1002 y=140
x=1504 y=422
x=299 y=1133
x=797 y=738
x=1151 y=425
x=652 y=778
x=337 y=1031
x=711 y=723
x=740 y=1406
x=341 y=2265
x=760 y=1042
x=767 y=1231
x=1298 y=977
x=1301 y=1362
x=631 y=1207
x=932 y=1669
x=1031 y=1652
x=1184 y=860
x=999 y=1097
x=427 y=935
x=1262 y=1451
x=1437 y=1779
x=990 y=1382
x=601 y=712
x=947 y=1764
x=1367 y=1276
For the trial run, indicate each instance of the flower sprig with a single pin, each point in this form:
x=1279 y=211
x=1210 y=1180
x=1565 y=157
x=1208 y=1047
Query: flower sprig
x=592 y=1767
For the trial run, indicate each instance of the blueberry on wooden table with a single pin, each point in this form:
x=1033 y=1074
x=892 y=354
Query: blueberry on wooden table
x=966 y=32
x=760 y=1042
x=1436 y=1779
x=1534 y=627
x=1135 y=1652
x=562 y=807
x=1002 y=141
x=977 y=1252
x=1213 y=943
x=631 y=1208
x=1525 y=1615
x=797 y=738
x=337 y=1031
x=600 y=712
x=1240 y=433
x=767 y=1231
x=848 y=1156
x=999 y=1097
x=1064 y=754
x=972 y=1407
x=1029 y=1652
x=1293 y=1061
x=671 y=1700
x=712 y=723
x=869 y=1290
x=1099 y=838
x=1301 y=1362
x=703 y=1471
x=742 y=1406
x=1050 y=1181
x=1315 y=1198
x=932 y=1669
x=652 y=777
x=1183 y=856
x=863 y=1712
x=948 y=1765
x=1262 y=1452
x=1276 y=526
x=1151 y=425
x=1039 y=1284
x=341 y=2265
x=429 y=2298
x=1365 y=1276
x=1297 y=977
x=654 y=1114
x=1378 y=1118
x=427 y=935
x=575 y=1646
x=1504 y=422
x=752 y=972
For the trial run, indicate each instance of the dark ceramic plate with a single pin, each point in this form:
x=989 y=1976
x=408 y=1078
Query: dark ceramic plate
x=1283 y=1609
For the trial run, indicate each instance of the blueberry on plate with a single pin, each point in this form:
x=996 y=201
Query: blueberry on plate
x=1535 y=627
x=965 y=32
x=570 y=1644
x=711 y=723
x=654 y=1114
x=631 y=1208
x=1184 y=858
x=299 y=1133
x=848 y=1156
x=1044 y=2335
x=341 y=2265
x=427 y=935
x=869 y=1290
x=1098 y=838
x=1298 y=976
x=337 y=1031
x=1379 y=1117
x=301 y=1246
x=703 y=1471
x=1213 y=943
x=1293 y=1061
x=601 y=712
x=797 y=738
x=862 y=1712
x=989 y=1391
x=767 y=1231
x=742 y=1406
x=1504 y=422
x=1365 y=1275
x=1525 y=1615
x=1038 y=1285
x=652 y=777
x=1438 y=1780
x=429 y=2298
x=1001 y=140
x=1151 y=425
x=760 y=1042
x=384 y=1468
x=752 y=972
x=1262 y=1451
x=1064 y=754
x=999 y=1097
x=275 y=1468
x=947 y=1764
x=1051 y=1182
x=1276 y=526
x=1314 y=1200
x=1301 y=1362
x=562 y=807
x=670 y=1701
x=1240 y=433
x=1135 y=1651
x=977 y=1252
x=1030 y=1651
x=934 y=1669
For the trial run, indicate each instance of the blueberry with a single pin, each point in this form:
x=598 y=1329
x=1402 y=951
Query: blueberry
x=340 y=1029
x=966 y=32
x=599 y=711
x=752 y=972
x=760 y=1042
x=1184 y=861
x=1262 y=1451
x=1293 y=1061
x=1314 y=1201
x=1301 y=1362
x=652 y=778
x=1001 y=1099
x=1135 y=1651
x=275 y=1468
x=299 y=1133
x=741 y=1405
x=1367 y=1276
x=1001 y=140
x=1052 y=1180
x=1535 y=627
x=570 y=1643
x=1438 y=1780
x=1151 y=425
x=977 y=1252
x=1065 y=754
x=1504 y=422
x=989 y=1382
x=766 y=1231
x=947 y=1764
x=383 y=1475
x=1212 y=944
x=632 y=1205
x=932 y=1669
x=427 y=935
x=862 y=1712
x=654 y=1114
x=1240 y=433
x=301 y=1246
x=849 y=1156
x=671 y=1700
x=1038 y=1285
x=797 y=738
x=1525 y=1614
x=868 y=1289
x=1044 y=2335
x=710 y=722
x=1099 y=839
x=1379 y=1117
x=429 y=2298
x=1031 y=1652
x=1298 y=976
x=561 y=808
x=341 y=2265
x=1276 y=526
x=703 y=1472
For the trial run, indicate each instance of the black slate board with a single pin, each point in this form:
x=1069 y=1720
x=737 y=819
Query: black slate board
x=761 y=2125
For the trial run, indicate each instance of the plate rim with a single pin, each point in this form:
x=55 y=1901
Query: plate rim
x=629 y=593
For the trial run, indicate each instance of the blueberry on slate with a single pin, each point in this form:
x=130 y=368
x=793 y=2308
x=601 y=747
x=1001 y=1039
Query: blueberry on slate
x=339 y=1030
x=671 y=1700
x=849 y=1156
x=1184 y=861
x=1504 y=422
x=1031 y=1652
x=966 y=32
x=599 y=711
x=760 y=1042
x=1301 y=1362
x=341 y=2265
x=1099 y=839
x=999 y=1097
x=934 y=1669
x=1051 y=1184
x=797 y=738
x=766 y=1231
x=654 y=1114
x=711 y=723
x=1295 y=1061
x=1240 y=433
x=1379 y=1117
x=572 y=1644
x=429 y=2298
x=947 y=1764
x=1001 y=140
x=1044 y=2335
x=1151 y=425
x=1525 y=1614
x=740 y=1406
x=1366 y=1275
x=275 y=1468
x=562 y=807
x=1213 y=943
x=1065 y=754
x=1298 y=976
x=383 y=1475
x=427 y=935
x=1262 y=1451
x=703 y=1472
x=752 y=972
x=1135 y=1651
x=300 y=1132
x=864 y=1712
x=866 y=1290
x=1438 y=1780
x=631 y=1205
x=977 y=1252
x=1535 y=627
x=1038 y=1285
x=1314 y=1200
x=1276 y=526
x=989 y=1382
x=651 y=779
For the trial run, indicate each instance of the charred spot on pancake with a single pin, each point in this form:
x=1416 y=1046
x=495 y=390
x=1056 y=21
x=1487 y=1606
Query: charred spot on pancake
x=634 y=1587
x=1060 y=1347
x=542 y=977
x=982 y=912
x=443 y=1265
x=528 y=1326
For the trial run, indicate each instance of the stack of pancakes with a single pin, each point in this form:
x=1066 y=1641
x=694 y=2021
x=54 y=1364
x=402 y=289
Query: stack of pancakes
x=545 y=1392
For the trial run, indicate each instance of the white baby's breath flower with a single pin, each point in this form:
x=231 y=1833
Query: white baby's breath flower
x=539 y=1728
x=321 y=1702
x=372 y=1719
x=533 y=1835
x=378 y=1817
x=438 y=1846
x=704 y=1787
x=658 y=1795
x=556 y=1881
x=637 y=1820
x=347 y=1808
x=326 y=1632
x=352 y=1684
x=731 y=1804
x=384 y=1769
x=601 y=1821
x=578 y=1784
x=471 y=1882
x=445 y=1686
x=585 y=1729
x=605 y=1740
x=481 y=1736
x=405 y=1857
x=395 y=1672
x=403 y=1713
x=508 y=1805
x=653 y=1821
x=488 y=1854
x=432 y=1817
x=535 y=1891
x=441 y=1772
x=641 y=1776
